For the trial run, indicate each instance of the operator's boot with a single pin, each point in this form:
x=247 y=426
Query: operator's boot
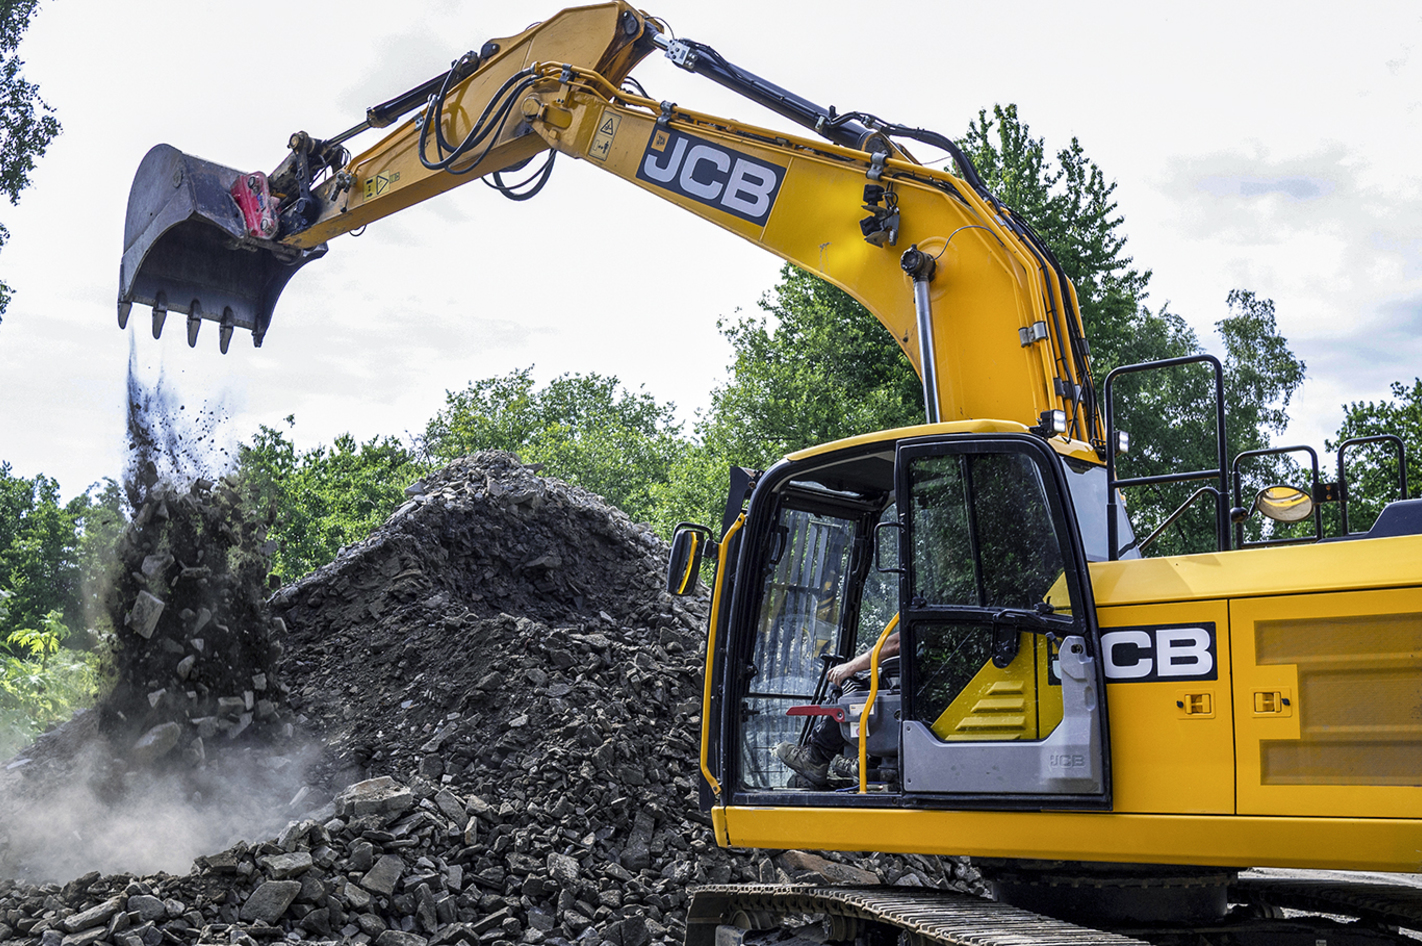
x=805 y=761
x=844 y=769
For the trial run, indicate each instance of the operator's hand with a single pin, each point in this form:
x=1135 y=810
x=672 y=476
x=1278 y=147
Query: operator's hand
x=841 y=672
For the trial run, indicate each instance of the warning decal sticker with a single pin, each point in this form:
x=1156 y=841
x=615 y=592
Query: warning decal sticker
x=376 y=186
x=602 y=138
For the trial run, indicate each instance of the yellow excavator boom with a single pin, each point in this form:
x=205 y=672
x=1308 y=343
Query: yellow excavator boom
x=971 y=296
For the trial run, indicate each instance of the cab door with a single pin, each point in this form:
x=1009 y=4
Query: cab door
x=1003 y=681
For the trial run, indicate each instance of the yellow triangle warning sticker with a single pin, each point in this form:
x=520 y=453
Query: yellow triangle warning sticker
x=601 y=145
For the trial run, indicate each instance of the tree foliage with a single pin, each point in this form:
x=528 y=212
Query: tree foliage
x=1071 y=205
x=40 y=564
x=1372 y=468
x=41 y=682
x=326 y=497
x=27 y=123
x=586 y=429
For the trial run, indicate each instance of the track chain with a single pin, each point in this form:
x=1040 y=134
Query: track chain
x=1383 y=904
x=928 y=916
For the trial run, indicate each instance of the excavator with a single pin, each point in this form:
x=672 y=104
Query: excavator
x=1113 y=739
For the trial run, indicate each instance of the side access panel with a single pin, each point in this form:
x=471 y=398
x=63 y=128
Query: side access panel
x=1172 y=733
x=1328 y=696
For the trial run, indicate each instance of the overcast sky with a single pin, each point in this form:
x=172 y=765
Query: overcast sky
x=1255 y=145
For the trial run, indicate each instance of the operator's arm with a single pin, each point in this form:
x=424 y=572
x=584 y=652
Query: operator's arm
x=842 y=672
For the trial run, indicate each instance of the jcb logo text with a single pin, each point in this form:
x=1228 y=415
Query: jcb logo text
x=1159 y=653
x=711 y=174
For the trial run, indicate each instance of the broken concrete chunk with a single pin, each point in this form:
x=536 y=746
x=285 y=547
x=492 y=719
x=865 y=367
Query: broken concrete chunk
x=269 y=901
x=185 y=666
x=449 y=806
x=147 y=908
x=94 y=916
x=156 y=743
x=285 y=866
x=145 y=614
x=376 y=796
x=383 y=877
x=203 y=616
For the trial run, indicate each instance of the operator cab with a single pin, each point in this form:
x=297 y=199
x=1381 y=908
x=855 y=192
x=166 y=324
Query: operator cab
x=967 y=535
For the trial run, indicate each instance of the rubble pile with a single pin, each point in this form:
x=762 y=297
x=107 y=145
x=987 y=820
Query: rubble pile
x=517 y=702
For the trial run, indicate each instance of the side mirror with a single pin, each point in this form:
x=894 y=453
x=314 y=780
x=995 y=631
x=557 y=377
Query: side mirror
x=1280 y=503
x=1284 y=503
x=689 y=543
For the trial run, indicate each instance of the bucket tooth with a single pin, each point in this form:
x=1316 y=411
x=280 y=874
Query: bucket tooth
x=224 y=334
x=124 y=308
x=160 y=313
x=194 y=323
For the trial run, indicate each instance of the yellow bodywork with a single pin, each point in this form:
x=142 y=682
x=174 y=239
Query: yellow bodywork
x=1221 y=772
x=1013 y=702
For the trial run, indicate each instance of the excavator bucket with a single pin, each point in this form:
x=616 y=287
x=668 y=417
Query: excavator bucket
x=187 y=248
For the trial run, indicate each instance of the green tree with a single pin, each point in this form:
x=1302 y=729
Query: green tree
x=27 y=124
x=40 y=681
x=326 y=497
x=1072 y=207
x=1372 y=469
x=39 y=551
x=1171 y=417
x=586 y=429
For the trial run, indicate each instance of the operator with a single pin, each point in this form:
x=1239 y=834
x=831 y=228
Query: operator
x=812 y=761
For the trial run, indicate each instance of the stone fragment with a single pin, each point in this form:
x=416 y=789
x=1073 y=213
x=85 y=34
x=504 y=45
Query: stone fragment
x=185 y=666
x=425 y=913
x=318 y=921
x=827 y=871
x=270 y=900
x=94 y=916
x=153 y=564
x=383 y=877
x=284 y=866
x=147 y=907
x=491 y=921
x=358 y=899
x=563 y=869
x=636 y=854
x=155 y=743
x=376 y=796
x=362 y=856
x=84 y=937
x=146 y=611
x=399 y=938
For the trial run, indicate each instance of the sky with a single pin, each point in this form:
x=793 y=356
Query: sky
x=1254 y=146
